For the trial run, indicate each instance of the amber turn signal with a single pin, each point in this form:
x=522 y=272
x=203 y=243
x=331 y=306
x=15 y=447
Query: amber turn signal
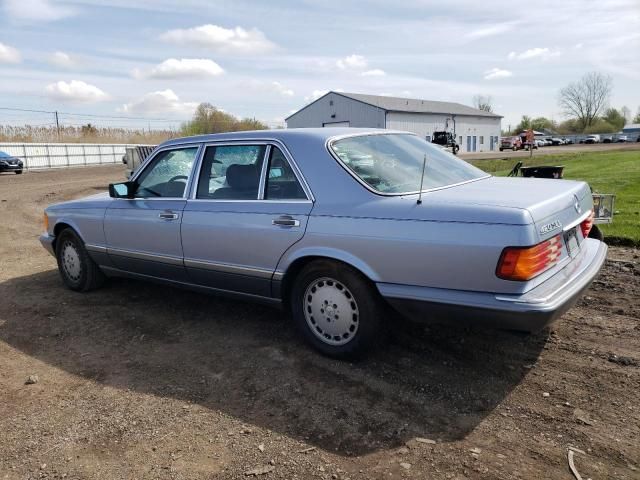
x=524 y=263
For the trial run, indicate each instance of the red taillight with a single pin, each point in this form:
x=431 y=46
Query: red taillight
x=524 y=263
x=586 y=225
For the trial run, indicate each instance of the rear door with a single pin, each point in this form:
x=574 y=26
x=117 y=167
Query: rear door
x=143 y=233
x=248 y=206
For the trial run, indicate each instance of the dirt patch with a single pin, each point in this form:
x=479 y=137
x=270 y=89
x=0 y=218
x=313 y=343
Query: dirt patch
x=141 y=381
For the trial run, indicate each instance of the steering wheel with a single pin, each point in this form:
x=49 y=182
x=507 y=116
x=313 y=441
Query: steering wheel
x=178 y=177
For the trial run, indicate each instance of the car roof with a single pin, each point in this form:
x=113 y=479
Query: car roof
x=277 y=134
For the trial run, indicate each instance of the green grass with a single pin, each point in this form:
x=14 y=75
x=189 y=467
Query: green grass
x=606 y=172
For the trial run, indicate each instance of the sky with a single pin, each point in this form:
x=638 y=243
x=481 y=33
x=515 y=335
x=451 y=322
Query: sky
x=150 y=62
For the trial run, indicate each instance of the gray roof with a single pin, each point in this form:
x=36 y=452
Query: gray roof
x=415 y=105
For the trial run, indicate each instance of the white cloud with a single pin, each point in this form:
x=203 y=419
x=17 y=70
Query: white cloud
x=220 y=39
x=282 y=90
x=164 y=101
x=62 y=59
x=9 y=54
x=376 y=72
x=183 y=68
x=36 y=10
x=316 y=94
x=578 y=46
x=492 y=30
x=352 y=62
x=75 y=91
x=496 y=73
x=544 y=53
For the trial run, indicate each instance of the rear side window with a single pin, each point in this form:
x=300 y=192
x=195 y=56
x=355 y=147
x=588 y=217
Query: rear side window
x=281 y=182
x=231 y=172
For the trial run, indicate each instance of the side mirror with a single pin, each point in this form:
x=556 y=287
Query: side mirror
x=122 y=190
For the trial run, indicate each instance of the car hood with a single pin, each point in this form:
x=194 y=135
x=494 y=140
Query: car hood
x=90 y=201
x=494 y=200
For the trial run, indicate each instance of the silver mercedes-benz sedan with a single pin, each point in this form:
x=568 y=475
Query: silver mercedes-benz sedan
x=339 y=226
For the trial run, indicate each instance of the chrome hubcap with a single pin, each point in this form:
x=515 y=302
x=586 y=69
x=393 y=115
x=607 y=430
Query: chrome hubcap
x=331 y=311
x=71 y=261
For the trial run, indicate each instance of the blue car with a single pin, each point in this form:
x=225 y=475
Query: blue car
x=10 y=164
x=342 y=227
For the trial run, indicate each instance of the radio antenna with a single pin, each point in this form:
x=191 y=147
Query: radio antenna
x=424 y=166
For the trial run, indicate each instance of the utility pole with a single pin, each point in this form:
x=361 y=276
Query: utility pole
x=57 y=124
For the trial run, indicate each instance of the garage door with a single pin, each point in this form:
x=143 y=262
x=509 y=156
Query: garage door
x=336 y=124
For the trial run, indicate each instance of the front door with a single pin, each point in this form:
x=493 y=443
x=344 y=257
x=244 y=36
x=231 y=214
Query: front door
x=475 y=143
x=491 y=143
x=248 y=208
x=468 y=143
x=143 y=233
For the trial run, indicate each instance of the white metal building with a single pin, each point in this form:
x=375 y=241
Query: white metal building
x=476 y=130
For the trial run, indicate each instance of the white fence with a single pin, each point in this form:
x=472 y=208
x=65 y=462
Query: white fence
x=55 y=155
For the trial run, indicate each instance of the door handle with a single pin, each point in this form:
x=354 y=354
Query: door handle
x=168 y=215
x=285 y=221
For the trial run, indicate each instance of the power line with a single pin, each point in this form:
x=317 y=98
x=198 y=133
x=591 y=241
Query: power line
x=89 y=115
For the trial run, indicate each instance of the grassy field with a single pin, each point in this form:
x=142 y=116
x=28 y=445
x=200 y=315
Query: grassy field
x=606 y=172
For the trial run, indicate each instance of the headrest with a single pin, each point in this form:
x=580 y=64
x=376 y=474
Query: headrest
x=242 y=177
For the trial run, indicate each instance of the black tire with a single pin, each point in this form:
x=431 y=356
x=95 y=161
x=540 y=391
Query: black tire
x=596 y=233
x=18 y=172
x=78 y=271
x=361 y=327
x=455 y=149
x=501 y=149
x=515 y=149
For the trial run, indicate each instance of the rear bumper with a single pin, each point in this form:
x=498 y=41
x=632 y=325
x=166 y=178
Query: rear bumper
x=47 y=242
x=530 y=311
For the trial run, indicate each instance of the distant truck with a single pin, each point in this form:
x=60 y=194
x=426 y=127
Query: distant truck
x=134 y=156
x=510 y=143
x=446 y=139
x=593 y=139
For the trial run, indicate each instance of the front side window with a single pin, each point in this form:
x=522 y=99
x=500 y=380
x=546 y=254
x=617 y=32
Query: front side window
x=392 y=163
x=281 y=182
x=167 y=174
x=231 y=172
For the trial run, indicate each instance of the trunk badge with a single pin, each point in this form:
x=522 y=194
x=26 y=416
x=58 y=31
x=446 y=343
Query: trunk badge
x=576 y=205
x=549 y=227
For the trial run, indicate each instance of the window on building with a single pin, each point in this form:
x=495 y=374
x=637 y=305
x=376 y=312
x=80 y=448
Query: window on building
x=481 y=140
x=331 y=103
x=428 y=138
x=460 y=140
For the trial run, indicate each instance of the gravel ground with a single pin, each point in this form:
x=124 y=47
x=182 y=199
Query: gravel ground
x=141 y=381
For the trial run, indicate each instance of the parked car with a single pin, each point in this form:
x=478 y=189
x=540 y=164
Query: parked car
x=337 y=225
x=592 y=139
x=568 y=141
x=622 y=139
x=10 y=164
x=607 y=140
x=510 y=143
x=557 y=141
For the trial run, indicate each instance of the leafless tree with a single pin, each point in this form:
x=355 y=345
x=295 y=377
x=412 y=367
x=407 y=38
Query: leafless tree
x=483 y=102
x=586 y=98
x=626 y=113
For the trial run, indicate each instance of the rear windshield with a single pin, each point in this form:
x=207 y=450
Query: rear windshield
x=392 y=163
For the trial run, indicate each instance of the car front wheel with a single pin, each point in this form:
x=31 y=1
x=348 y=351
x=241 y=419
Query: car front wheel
x=78 y=271
x=337 y=310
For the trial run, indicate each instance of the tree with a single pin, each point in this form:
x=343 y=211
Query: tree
x=614 y=118
x=483 y=102
x=209 y=119
x=636 y=119
x=586 y=98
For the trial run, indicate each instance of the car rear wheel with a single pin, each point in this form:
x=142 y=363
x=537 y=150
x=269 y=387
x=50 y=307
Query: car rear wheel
x=78 y=271
x=337 y=310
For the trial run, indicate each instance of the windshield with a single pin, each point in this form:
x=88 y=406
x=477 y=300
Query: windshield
x=392 y=163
